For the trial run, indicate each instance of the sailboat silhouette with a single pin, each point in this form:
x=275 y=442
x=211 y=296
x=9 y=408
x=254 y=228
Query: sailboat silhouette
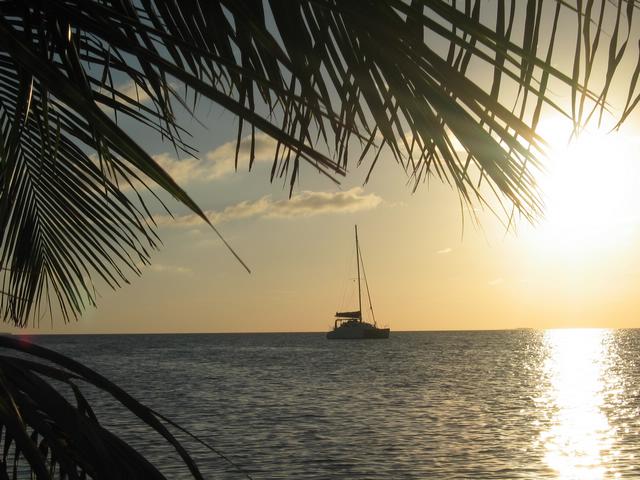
x=349 y=325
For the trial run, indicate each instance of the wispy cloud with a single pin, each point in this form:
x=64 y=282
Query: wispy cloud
x=304 y=204
x=131 y=90
x=159 y=267
x=218 y=162
x=128 y=89
x=496 y=281
x=444 y=251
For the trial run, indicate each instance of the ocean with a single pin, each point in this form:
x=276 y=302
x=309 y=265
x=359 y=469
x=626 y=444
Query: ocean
x=517 y=404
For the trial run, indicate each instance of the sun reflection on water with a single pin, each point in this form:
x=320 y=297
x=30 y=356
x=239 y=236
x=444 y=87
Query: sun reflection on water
x=579 y=443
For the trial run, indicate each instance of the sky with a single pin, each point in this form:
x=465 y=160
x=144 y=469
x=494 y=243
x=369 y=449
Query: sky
x=429 y=266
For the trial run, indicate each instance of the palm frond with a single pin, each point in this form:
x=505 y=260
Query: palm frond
x=51 y=435
x=451 y=89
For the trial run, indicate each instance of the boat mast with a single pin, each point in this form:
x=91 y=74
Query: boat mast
x=358 y=261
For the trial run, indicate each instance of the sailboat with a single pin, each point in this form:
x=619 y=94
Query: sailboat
x=349 y=325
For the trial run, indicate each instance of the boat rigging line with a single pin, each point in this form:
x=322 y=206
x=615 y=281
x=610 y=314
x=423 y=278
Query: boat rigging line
x=366 y=284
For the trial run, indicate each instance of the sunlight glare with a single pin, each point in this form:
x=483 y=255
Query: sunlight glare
x=590 y=189
x=579 y=441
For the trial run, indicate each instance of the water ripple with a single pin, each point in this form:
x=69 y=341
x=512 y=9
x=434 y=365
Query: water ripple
x=453 y=405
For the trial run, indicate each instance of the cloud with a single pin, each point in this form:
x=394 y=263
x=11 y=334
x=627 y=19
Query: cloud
x=444 y=251
x=159 y=267
x=496 y=281
x=214 y=164
x=131 y=90
x=218 y=162
x=314 y=203
x=128 y=89
x=304 y=204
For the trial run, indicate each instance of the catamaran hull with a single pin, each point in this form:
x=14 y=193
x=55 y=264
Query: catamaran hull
x=358 y=333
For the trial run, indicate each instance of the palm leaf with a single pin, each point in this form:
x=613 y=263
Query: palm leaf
x=59 y=436
x=320 y=77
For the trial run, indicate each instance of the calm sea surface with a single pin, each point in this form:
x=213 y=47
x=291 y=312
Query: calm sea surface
x=501 y=404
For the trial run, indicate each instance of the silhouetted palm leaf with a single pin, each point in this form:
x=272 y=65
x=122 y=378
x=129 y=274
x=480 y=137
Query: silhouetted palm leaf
x=59 y=436
x=318 y=76
x=315 y=75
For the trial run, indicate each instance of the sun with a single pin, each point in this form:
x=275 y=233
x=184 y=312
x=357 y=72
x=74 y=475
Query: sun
x=591 y=189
